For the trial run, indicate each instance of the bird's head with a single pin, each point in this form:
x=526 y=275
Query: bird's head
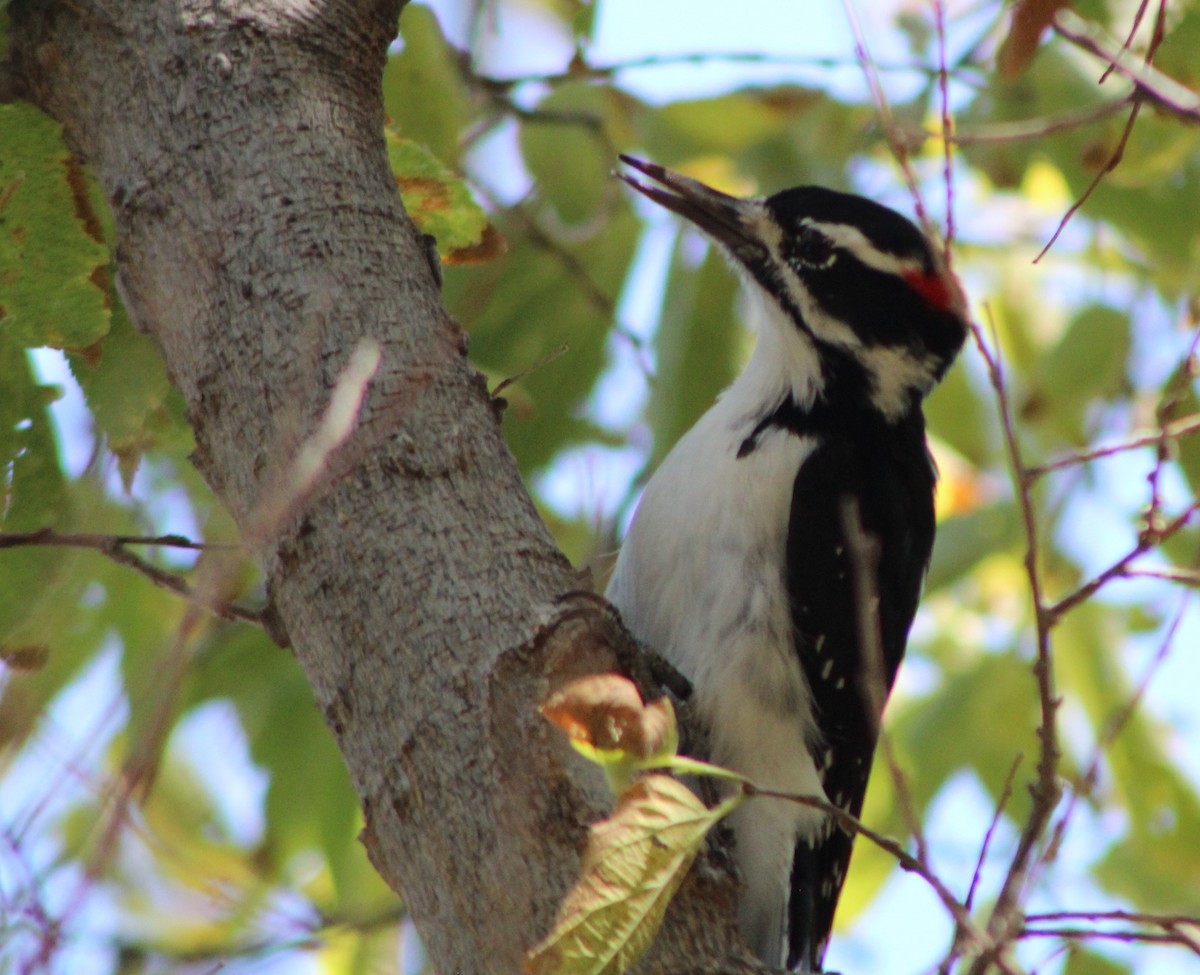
x=867 y=292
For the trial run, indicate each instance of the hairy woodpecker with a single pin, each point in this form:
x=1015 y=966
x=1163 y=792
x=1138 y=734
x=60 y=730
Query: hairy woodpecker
x=739 y=564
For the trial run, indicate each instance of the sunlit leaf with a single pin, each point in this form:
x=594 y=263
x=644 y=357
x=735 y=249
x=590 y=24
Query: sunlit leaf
x=606 y=720
x=522 y=309
x=634 y=862
x=440 y=203
x=958 y=413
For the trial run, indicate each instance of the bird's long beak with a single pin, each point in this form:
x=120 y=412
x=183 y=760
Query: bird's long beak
x=721 y=216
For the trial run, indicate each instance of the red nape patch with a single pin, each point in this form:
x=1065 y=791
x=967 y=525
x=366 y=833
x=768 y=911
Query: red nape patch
x=934 y=288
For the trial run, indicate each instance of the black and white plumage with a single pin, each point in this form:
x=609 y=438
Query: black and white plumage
x=737 y=566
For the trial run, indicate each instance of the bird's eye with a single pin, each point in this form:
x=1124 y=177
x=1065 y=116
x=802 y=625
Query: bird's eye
x=812 y=249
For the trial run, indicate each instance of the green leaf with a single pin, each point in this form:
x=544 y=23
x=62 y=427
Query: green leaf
x=423 y=90
x=126 y=386
x=50 y=251
x=963 y=541
x=39 y=586
x=439 y=202
x=634 y=862
x=583 y=20
x=1150 y=196
x=567 y=155
x=33 y=489
x=1000 y=685
x=1055 y=84
x=1187 y=449
x=311 y=804
x=727 y=123
x=1176 y=55
x=1080 y=961
x=522 y=309
x=958 y=414
x=1087 y=364
x=784 y=135
x=698 y=345
x=1156 y=870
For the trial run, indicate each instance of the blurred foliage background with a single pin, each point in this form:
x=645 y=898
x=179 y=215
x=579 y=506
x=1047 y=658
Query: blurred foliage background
x=174 y=803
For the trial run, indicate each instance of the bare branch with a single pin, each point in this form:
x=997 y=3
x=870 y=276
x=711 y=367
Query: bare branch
x=939 y=14
x=114 y=547
x=1150 y=538
x=1137 y=22
x=1039 y=128
x=1166 y=91
x=895 y=134
x=1005 y=795
x=1116 y=725
x=1046 y=790
x=1113 y=161
x=1152 y=84
x=601 y=72
x=967 y=930
x=1175 y=430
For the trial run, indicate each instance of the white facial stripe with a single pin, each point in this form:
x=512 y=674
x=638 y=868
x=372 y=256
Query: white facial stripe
x=763 y=226
x=895 y=374
x=854 y=241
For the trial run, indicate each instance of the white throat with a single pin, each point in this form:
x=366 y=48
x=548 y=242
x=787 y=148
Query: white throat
x=784 y=362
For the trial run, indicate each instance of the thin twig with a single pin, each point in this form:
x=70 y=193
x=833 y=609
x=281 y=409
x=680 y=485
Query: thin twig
x=1136 y=917
x=528 y=370
x=1046 y=789
x=1175 y=430
x=904 y=799
x=1151 y=84
x=1093 y=934
x=1137 y=22
x=1117 y=723
x=595 y=295
x=114 y=547
x=1114 y=160
x=600 y=72
x=1184 y=577
x=1005 y=795
x=1141 y=76
x=1038 y=128
x=939 y=15
x=1150 y=538
x=908 y=862
x=892 y=132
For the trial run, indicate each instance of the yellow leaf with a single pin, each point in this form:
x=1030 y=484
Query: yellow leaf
x=634 y=862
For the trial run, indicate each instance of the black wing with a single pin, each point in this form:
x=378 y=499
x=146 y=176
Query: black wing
x=888 y=474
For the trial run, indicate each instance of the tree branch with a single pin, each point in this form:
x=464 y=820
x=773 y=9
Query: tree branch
x=115 y=547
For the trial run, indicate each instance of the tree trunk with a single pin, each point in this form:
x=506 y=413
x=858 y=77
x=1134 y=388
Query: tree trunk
x=260 y=240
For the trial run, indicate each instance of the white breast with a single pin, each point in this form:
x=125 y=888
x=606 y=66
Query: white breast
x=701 y=579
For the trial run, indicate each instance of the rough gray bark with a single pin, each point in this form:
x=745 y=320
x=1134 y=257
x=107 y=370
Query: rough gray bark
x=260 y=238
